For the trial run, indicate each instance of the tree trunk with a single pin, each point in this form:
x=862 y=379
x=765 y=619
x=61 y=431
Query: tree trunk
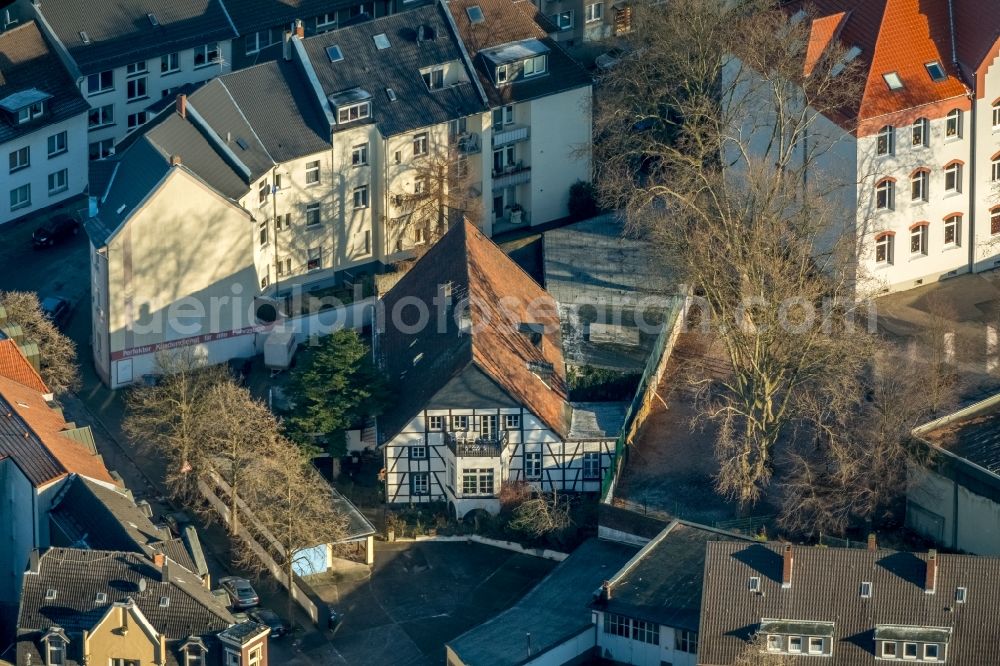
x=234 y=517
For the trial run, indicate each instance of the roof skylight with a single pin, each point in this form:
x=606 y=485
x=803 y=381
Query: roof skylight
x=152 y=20
x=334 y=53
x=936 y=71
x=475 y=13
x=381 y=41
x=84 y=37
x=893 y=81
x=391 y=94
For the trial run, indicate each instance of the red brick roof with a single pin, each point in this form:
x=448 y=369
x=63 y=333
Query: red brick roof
x=14 y=366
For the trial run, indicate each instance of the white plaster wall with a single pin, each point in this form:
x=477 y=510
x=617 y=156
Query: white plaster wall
x=986 y=193
x=17 y=518
x=638 y=653
x=561 y=126
x=975 y=513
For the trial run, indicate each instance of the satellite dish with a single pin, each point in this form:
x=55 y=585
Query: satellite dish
x=142 y=584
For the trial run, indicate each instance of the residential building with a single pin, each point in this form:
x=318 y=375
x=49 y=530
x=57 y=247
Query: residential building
x=576 y=22
x=917 y=154
x=957 y=492
x=473 y=346
x=846 y=606
x=121 y=608
x=43 y=126
x=126 y=56
x=261 y=206
x=39 y=454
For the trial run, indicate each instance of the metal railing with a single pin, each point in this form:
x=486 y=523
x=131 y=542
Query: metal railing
x=511 y=135
x=475 y=446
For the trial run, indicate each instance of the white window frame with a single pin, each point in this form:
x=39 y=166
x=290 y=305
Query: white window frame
x=211 y=54
x=459 y=423
x=137 y=89
x=420 y=144
x=886 y=242
x=348 y=114
x=60 y=187
x=433 y=78
x=105 y=115
x=812 y=641
x=137 y=68
x=435 y=422
x=535 y=66
x=314 y=254
x=360 y=199
x=916 y=650
x=533 y=465
x=563 y=20
x=953 y=125
x=255 y=655
x=686 y=641
x=996 y=116
x=23 y=197
x=887 y=652
x=927 y=648
x=136 y=120
x=105 y=148
x=483 y=482
x=775 y=643
x=593 y=12
x=919 y=232
x=919 y=185
x=313 y=215
x=954 y=224
x=313 y=173
x=170 y=63
x=421 y=483
x=953 y=173
x=30 y=112
x=102 y=86
x=359 y=154
x=919 y=133
x=885 y=141
x=962 y=593
x=866 y=586
x=888 y=187
x=512 y=421
x=61 y=145
x=753 y=583
x=19 y=159
x=590 y=458
x=791 y=642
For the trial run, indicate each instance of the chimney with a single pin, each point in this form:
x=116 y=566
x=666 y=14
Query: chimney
x=182 y=101
x=300 y=30
x=872 y=543
x=159 y=559
x=175 y=160
x=165 y=572
x=930 y=585
x=606 y=591
x=787 y=560
x=33 y=562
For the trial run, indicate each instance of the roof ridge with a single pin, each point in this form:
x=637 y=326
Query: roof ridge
x=239 y=109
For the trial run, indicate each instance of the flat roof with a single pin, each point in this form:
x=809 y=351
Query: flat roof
x=972 y=434
x=597 y=420
x=515 y=51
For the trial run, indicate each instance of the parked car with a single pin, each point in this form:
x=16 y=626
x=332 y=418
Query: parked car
x=56 y=309
x=271 y=619
x=56 y=230
x=241 y=593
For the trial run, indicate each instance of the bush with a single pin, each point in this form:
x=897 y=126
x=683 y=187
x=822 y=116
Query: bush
x=582 y=200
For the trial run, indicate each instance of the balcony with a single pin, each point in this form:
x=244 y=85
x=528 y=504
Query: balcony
x=503 y=137
x=511 y=175
x=467 y=143
x=471 y=446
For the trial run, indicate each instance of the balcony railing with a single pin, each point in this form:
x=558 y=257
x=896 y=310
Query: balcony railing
x=472 y=446
x=510 y=135
x=511 y=175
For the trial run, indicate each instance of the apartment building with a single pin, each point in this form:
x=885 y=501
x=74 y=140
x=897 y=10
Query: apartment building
x=43 y=122
x=473 y=345
x=220 y=202
x=126 y=56
x=920 y=153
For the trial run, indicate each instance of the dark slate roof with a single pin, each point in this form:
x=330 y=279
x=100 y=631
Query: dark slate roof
x=975 y=438
x=287 y=120
x=507 y=21
x=252 y=15
x=553 y=611
x=499 y=296
x=89 y=515
x=358 y=526
x=120 y=31
x=825 y=587
x=398 y=67
x=24 y=448
x=214 y=103
x=26 y=62
x=663 y=583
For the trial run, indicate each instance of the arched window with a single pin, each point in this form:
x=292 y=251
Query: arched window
x=920 y=184
x=885 y=141
x=918 y=238
x=884 y=245
x=995 y=168
x=996 y=116
x=953 y=124
x=953 y=176
x=919 y=133
x=885 y=194
x=953 y=230
x=995 y=221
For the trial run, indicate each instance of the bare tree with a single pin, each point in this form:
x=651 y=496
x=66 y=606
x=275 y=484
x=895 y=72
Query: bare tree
x=755 y=654
x=240 y=435
x=170 y=417
x=713 y=140
x=294 y=511
x=546 y=513
x=56 y=352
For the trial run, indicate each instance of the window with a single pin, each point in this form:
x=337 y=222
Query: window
x=193 y=656
x=359 y=155
x=262 y=191
x=775 y=643
x=889 y=650
x=753 y=584
x=261 y=40
x=953 y=124
x=435 y=423
x=30 y=112
x=460 y=423
x=312 y=173
x=136 y=119
x=488 y=426
x=434 y=78
x=647 y=632
x=953 y=177
x=503 y=115
x=996 y=115
x=327 y=21
x=885 y=192
x=883 y=249
x=960 y=594
x=58 y=181
x=686 y=641
x=262 y=233
x=501 y=74
x=170 y=63
x=100 y=83
x=101 y=149
x=591 y=466
x=420 y=185
x=953 y=230
x=55 y=652
x=283 y=267
x=794 y=644
x=512 y=421
x=255 y=656
x=419 y=483
x=919 y=182
x=594 y=12
x=57 y=144
x=918 y=133
x=535 y=66
x=932 y=651
x=361 y=197
x=102 y=116
x=918 y=239
x=477 y=481
x=866 y=590
x=616 y=625
x=995 y=169
x=503 y=158
x=475 y=13
x=136 y=68
x=207 y=55
x=909 y=650
x=313 y=215
x=20 y=197
x=381 y=41
x=815 y=645
x=354 y=112
x=885 y=141
x=420 y=144
x=893 y=81
x=563 y=20
x=995 y=221
x=533 y=465
x=314 y=258
x=20 y=159
x=936 y=71
x=136 y=89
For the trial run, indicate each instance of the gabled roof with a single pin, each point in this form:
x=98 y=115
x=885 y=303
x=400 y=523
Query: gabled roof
x=28 y=63
x=14 y=366
x=499 y=296
x=373 y=70
x=506 y=22
x=976 y=36
x=32 y=436
x=103 y=34
x=252 y=15
x=825 y=587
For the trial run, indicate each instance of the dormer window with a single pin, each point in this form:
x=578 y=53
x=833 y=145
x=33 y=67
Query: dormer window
x=433 y=78
x=30 y=113
x=352 y=105
x=194 y=651
x=26 y=105
x=518 y=60
x=54 y=644
x=535 y=66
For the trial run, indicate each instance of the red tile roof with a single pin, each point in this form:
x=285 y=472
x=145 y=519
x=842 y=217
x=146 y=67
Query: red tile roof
x=14 y=366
